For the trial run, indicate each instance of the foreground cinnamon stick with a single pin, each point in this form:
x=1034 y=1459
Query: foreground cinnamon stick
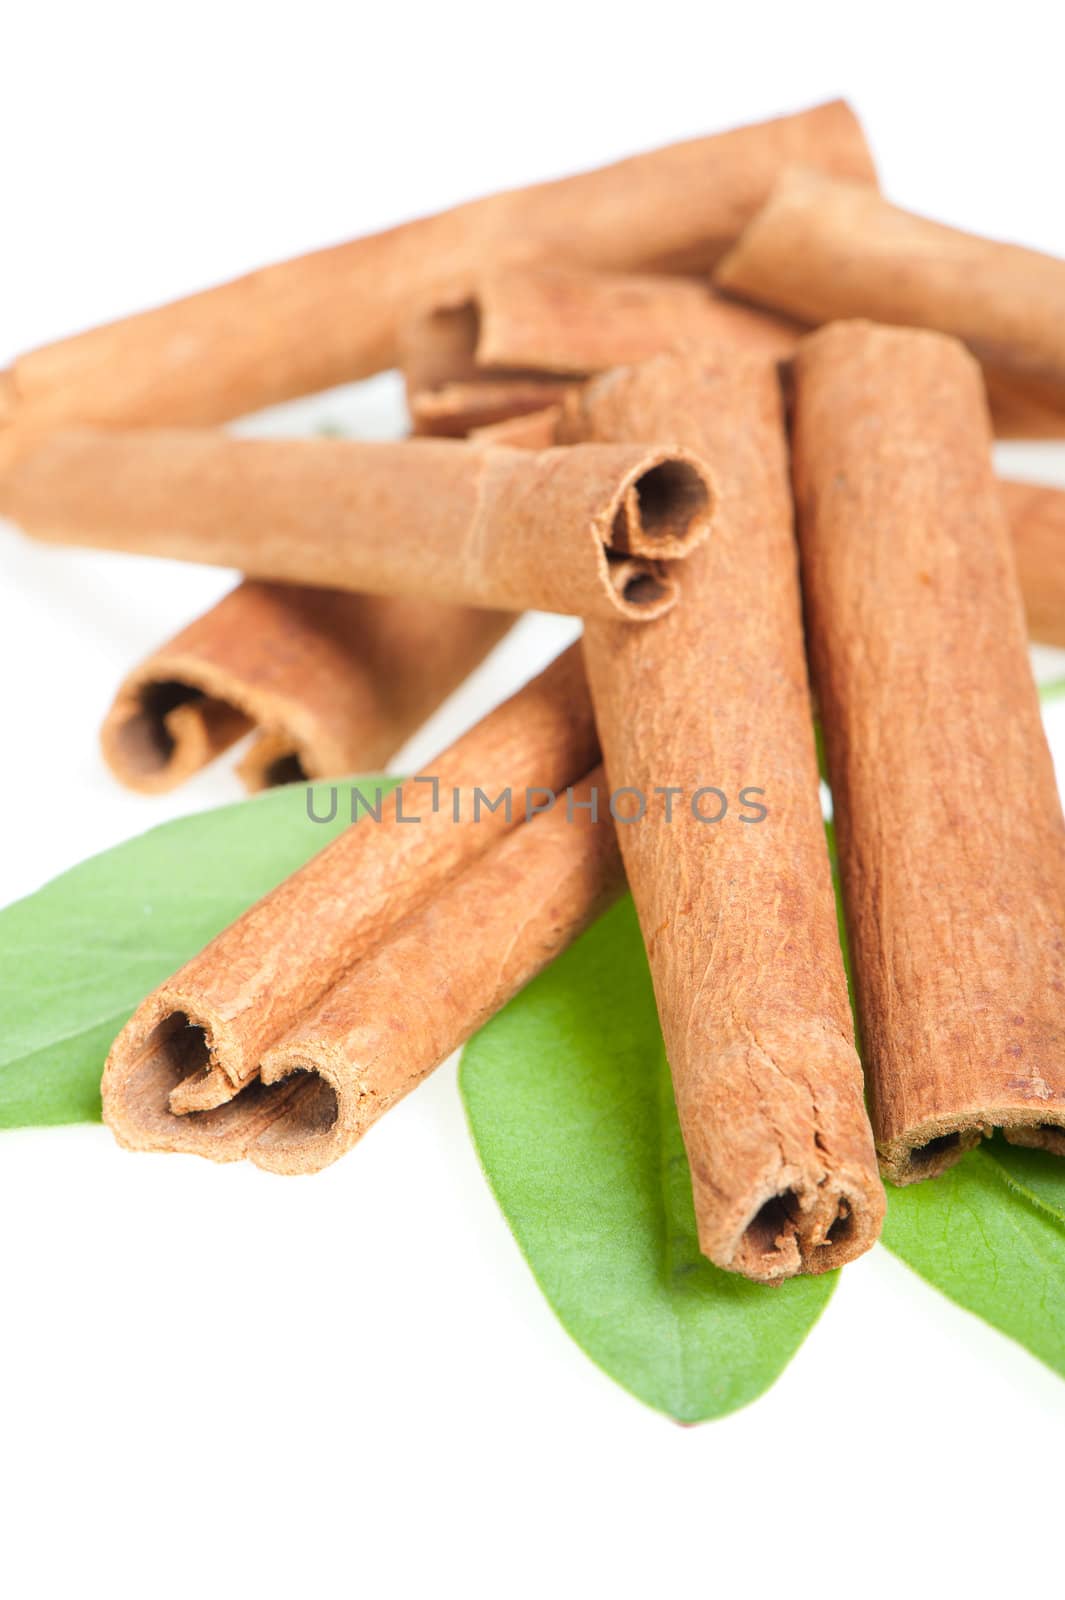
x=333 y=316
x=825 y=248
x=439 y=977
x=200 y=1037
x=951 y=838
x=528 y=333
x=1036 y=516
x=738 y=913
x=584 y=530
x=333 y=682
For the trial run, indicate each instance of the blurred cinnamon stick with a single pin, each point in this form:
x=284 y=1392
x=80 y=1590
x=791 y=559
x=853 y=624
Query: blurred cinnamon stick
x=824 y=248
x=738 y=915
x=951 y=838
x=530 y=332
x=465 y=406
x=583 y=531
x=334 y=315
x=333 y=683
x=182 y=1074
x=1036 y=516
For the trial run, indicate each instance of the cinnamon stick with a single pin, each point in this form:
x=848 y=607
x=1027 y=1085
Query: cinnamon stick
x=532 y=430
x=825 y=248
x=334 y=683
x=457 y=409
x=529 y=332
x=1036 y=516
x=585 y=530
x=333 y=316
x=182 y=1073
x=738 y=914
x=441 y=975
x=570 y=322
x=951 y=838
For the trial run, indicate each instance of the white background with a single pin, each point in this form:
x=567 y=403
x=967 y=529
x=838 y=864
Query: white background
x=215 y=1381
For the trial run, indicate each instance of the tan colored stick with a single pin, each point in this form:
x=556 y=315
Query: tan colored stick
x=333 y=682
x=529 y=332
x=738 y=914
x=825 y=248
x=1036 y=516
x=439 y=977
x=951 y=838
x=585 y=531
x=456 y=410
x=544 y=319
x=533 y=430
x=201 y=1035
x=333 y=316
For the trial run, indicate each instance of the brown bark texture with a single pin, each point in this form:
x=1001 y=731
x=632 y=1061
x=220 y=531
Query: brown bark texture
x=587 y=530
x=950 y=831
x=332 y=683
x=738 y=915
x=827 y=248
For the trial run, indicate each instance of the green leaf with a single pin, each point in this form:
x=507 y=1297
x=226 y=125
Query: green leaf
x=1052 y=691
x=571 y=1107
x=79 y=955
x=1035 y=1174
x=990 y=1234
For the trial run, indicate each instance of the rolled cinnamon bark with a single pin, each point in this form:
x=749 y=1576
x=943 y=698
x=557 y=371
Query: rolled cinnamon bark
x=333 y=682
x=951 y=838
x=441 y=975
x=199 y=1038
x=738 y=913
x=460 y=409
x=533 y=430
x=583 y=531
x=561 y=322
x=1035 y=512
x=530 y=332
x=825 y=248
x=333 y=316
x=1036 y=516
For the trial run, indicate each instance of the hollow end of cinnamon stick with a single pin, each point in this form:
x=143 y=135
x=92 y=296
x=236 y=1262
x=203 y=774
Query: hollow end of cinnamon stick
x=274 y=759
x=323 y=1117
x=936 y=1146
x=799 y=1227
x=783 y=1182
x=163 y=1089
x=160 y=731
x=662 y=511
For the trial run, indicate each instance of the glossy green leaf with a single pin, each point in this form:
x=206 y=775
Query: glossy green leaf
x=571 y=1107
x=79 y=955
x=1034 y=1174
x=990 y=1234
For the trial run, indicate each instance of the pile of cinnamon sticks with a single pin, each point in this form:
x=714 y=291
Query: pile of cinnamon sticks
x=730 y=407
